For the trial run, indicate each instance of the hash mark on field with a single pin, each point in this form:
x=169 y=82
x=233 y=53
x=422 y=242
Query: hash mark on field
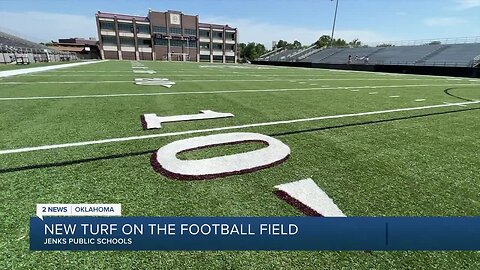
x=420 y=99
x=143 y=137
x=373 y=93
x=394 y=96
x=355 y=90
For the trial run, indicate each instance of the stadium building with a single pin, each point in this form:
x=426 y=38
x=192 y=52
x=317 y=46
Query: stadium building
x=170 y=35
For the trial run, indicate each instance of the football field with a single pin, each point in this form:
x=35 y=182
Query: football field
x=377 y=144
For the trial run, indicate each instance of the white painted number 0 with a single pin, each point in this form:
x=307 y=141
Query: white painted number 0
x=165 y=160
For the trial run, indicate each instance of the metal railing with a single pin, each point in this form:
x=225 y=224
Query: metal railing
x=454 y=40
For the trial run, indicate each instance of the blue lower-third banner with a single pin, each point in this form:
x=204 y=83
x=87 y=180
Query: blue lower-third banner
x=255 y=233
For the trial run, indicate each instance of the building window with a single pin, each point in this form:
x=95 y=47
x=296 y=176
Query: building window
x=230 y=47
x=109 y=40
x=217 y=35
x=175 y=30
x=217 y=47
x=205 y=33
x=205 y=58
x=177 y=43
x=160 y=29
x=107 y=25
x=230 y=36
x=144 y=43
x=125 y=27
x=190 y=32
x=161 y=42
x=127 y=41
x=217 y=58
x=192 y=44
x=143 y=29
x=204 y=46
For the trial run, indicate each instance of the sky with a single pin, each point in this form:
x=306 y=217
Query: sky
x=261 y=21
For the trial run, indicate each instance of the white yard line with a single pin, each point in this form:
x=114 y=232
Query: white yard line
x=224 y=80
x=9 y=73
x=124 y=139
x=227 y=91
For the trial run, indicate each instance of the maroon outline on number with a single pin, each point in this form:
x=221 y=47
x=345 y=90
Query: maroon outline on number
x=143 y=121
x=159 y=169
x=282 y=195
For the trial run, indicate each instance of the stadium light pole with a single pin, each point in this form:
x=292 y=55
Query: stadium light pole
x=334 y=21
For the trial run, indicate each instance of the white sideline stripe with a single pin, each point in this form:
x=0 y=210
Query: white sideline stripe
x=15 y=72
x=124 y=139
x=228 y=91
x=61 y=82
x=310 y=194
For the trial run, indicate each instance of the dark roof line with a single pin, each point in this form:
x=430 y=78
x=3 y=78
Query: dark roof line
x=121 y=16
x=216 y=26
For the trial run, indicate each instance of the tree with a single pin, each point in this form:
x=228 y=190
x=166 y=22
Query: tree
x=260 y=50
x=241 y=49
x=297 y=44
x=251 y=50
x=323 y=41
x=281 y=44
x=339 y=43
x=355 y=43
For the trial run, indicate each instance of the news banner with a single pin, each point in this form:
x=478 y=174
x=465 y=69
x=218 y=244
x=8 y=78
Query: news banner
x=101 y=227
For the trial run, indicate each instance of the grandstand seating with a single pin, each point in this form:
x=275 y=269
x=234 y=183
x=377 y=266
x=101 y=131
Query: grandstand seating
x=455 y=55
x=283 y=55
x=403 y=55
x=461 y=55
x=16 y=42
x=14 y=49
x=358 y=55
x=323 y=54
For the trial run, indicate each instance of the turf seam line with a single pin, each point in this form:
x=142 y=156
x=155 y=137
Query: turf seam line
x=124 y=139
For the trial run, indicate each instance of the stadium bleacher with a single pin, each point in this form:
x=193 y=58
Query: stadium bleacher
x=322 y=54
x=14 y=49
x=283 y=55
x=455 y=55
x=460 y=55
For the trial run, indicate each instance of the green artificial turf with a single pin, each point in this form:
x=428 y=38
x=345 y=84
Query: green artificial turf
x=415 y=163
